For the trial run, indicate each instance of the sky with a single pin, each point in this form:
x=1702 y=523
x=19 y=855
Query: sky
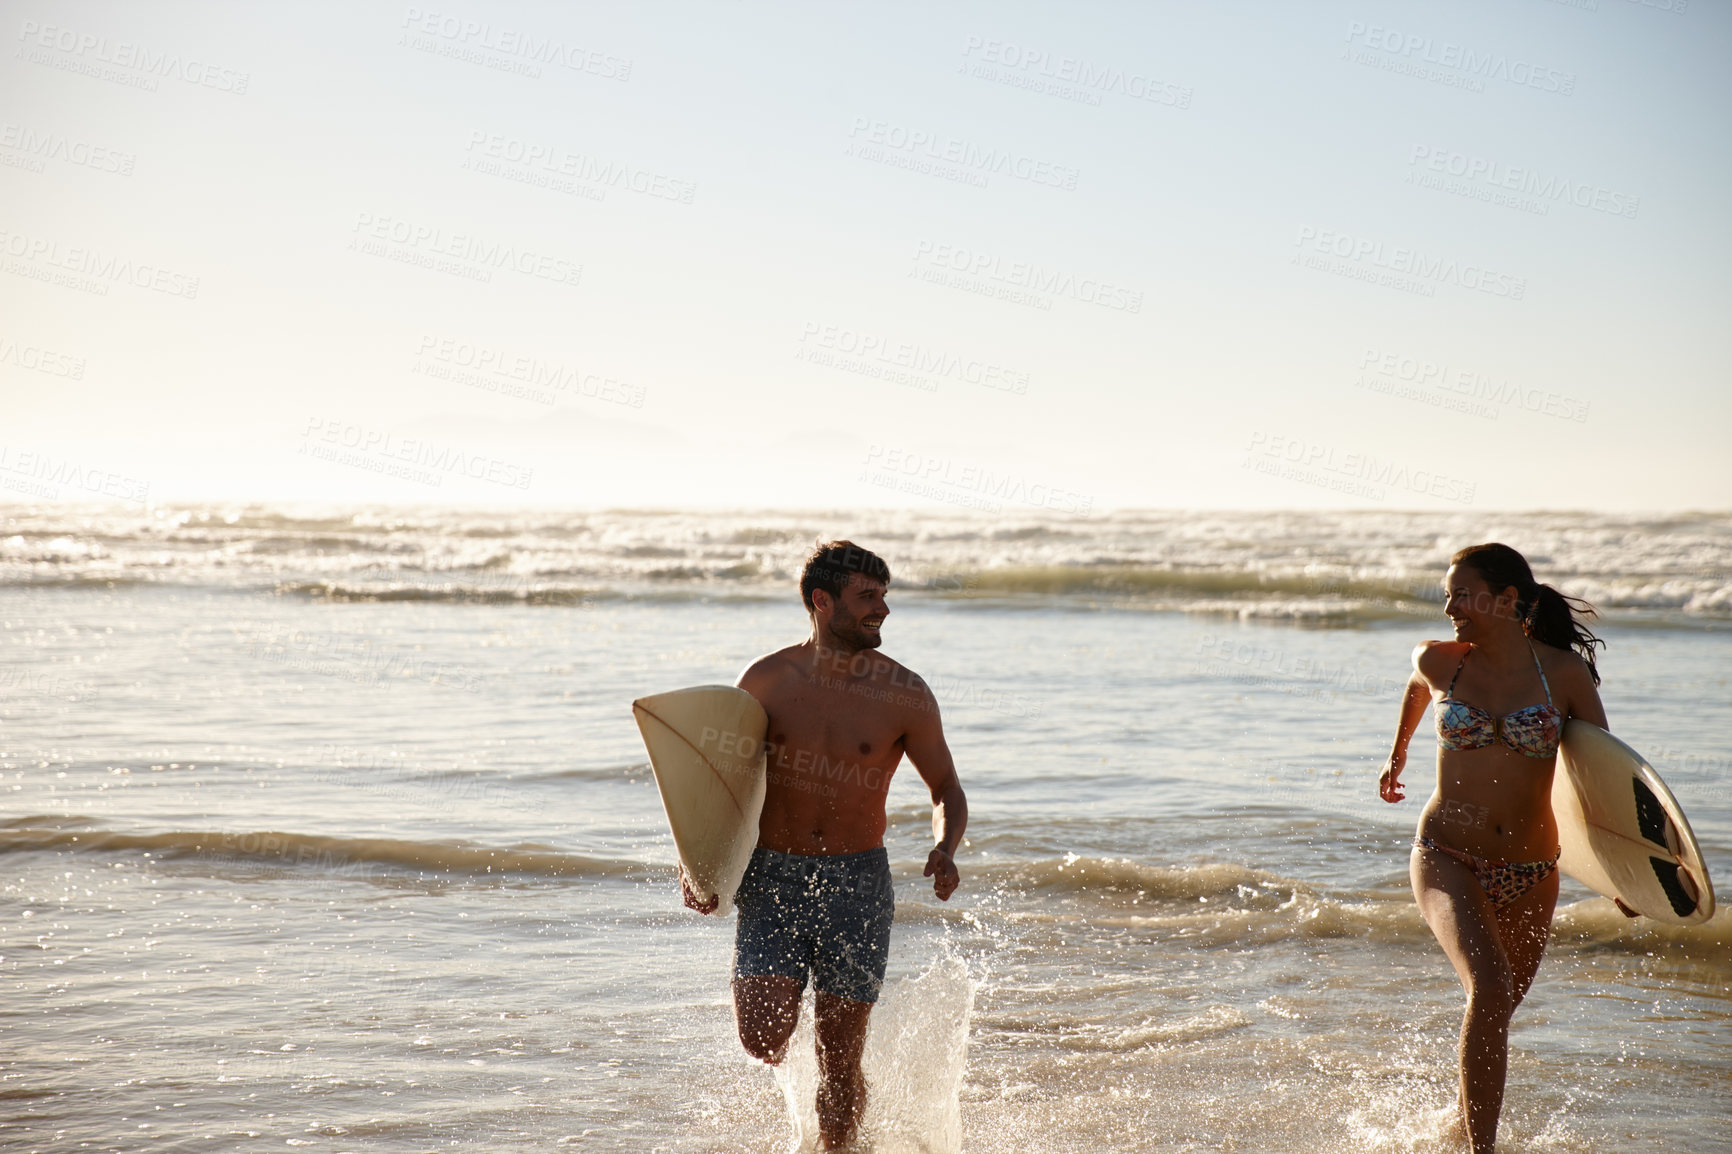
x=1004 y=256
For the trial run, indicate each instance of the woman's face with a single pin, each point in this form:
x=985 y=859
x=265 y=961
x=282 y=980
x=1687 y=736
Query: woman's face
x=1471 y=606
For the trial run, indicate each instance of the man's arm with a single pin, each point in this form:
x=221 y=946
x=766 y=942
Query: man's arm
x=759 y=677
x=926 y=748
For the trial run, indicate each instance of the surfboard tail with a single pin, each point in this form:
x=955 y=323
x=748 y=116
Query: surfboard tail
x=1622 y=832
x=706 y=746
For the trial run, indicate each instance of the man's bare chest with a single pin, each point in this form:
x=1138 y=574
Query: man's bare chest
x=807 y=723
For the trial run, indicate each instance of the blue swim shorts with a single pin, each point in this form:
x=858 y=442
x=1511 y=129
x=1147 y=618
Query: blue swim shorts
x=823 y=916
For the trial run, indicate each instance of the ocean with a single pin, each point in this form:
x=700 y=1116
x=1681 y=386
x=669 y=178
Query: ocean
x=329 y=830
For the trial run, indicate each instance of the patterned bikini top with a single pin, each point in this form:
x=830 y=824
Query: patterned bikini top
x=1532 y=730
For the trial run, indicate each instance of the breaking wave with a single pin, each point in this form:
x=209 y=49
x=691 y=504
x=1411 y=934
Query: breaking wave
x=1339 y=569
x=222 y=849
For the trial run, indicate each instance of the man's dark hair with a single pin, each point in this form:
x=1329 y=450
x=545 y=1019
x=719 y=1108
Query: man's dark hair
x=830 y=566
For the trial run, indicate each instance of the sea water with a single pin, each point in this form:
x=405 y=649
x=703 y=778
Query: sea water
x=330 y=830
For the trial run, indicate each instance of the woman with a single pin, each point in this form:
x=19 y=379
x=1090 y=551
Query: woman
x=1484 y=861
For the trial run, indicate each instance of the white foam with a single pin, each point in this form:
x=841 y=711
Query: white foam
x=1312 y=567
x=916 y=1053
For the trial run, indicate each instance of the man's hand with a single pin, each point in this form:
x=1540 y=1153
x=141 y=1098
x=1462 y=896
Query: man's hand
x=942 y=870
x=691 y=899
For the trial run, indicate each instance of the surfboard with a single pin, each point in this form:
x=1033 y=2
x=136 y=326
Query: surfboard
x=1623 y=833
x=706 y=746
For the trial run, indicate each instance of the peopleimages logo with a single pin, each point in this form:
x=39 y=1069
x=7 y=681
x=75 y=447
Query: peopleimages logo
x=1022 y=275
x=41 y=360
x=1408 y=262
x=1354 y=473
x=1067 y=76
x=462 y=253
x=1272 y=665
x=411 y=458
x=512 y=43
x=82 y=48
x=41 y=146
x=964 y=483
x=554 y=161
x=44 y=475
x=1471 y=386
x=1424 y=159
x=1447 y=54
x=497 y=370
x=872 y=137
x=104 y=267
x=918 y=358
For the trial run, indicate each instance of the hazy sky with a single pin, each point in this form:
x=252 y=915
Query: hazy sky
x=1009 y=256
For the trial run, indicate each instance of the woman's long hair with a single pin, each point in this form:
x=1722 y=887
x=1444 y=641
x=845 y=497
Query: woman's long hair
x=1546 y=614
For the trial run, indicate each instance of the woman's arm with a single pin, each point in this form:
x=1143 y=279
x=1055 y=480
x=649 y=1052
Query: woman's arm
x=1581 y=696
x=1413 y=705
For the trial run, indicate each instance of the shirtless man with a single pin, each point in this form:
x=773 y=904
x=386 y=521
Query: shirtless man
x=817 y=898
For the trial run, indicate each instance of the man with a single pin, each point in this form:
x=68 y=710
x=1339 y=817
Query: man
x=817 y=897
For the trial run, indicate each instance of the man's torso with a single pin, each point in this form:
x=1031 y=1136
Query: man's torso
x=836 y=735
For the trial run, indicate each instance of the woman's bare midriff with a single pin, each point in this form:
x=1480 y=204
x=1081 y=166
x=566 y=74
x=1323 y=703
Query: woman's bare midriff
x=1493 y=803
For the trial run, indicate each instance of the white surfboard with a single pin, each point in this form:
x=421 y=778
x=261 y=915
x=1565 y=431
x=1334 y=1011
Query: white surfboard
x=706 y=746
x=1623 y=833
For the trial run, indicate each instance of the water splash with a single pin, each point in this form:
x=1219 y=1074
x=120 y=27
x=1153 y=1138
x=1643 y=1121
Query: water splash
x=1419 y=1116
x=916 y=1053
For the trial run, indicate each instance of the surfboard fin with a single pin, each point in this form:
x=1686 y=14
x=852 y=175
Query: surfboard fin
x=1683 y=902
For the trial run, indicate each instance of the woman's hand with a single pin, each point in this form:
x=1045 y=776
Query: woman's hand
x=1389 y=785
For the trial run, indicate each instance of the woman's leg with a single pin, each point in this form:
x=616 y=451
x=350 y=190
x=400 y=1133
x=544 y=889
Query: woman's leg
x=1523 y=926
x=1462 y=920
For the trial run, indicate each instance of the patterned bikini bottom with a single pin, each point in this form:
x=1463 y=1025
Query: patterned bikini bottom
x=1502 y=881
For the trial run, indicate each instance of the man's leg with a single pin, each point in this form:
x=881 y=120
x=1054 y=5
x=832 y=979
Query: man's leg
x=841 y=1031
x=766 y=1009
x=769 y=966
x=848 y=972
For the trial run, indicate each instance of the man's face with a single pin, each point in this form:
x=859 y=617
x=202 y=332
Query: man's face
x=858 y=613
